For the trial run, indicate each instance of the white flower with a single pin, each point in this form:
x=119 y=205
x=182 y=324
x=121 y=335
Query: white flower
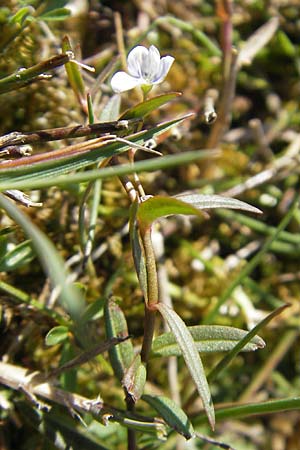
x=145 y=67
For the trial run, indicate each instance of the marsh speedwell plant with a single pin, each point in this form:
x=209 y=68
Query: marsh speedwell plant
x=110 y=141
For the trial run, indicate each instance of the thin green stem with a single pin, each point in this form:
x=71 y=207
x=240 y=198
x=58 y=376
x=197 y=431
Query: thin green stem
x=152 y=293
x=23 y=77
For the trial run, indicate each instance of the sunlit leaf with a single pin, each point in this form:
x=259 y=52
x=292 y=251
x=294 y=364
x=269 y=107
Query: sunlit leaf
x=137 y=251
x=159 y=206
x=188 y=204
x=21 y=15
x=56 y=335
x=207 y=338
x=146 y=107
x=134 y=379
x=122 y=355
x=55 y=14
x=172 y=414
x=216 y=201
x=191 y=356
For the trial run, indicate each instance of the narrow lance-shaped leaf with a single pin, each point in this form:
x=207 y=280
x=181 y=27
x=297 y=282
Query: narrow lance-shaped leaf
x=191 y=357
x=134 y=379
x=55 y=14
x=159 y=206
x=122 y=355
x=146 y=107
x=188 y=204
x=200 y=201
x=172 y=414
x=208 y=339
x=137 y=251
x=56 y=335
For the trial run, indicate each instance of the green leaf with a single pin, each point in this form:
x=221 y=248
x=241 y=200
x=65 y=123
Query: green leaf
x=74 y=74
x=146 y=107
x=50 y=259
x=56 y=335
x=19 y=256
x=172 y=414
x=285 y=45
x=188 y=204
x=122 y=355
x=93 y=311
x=134 y=379
x=191 y=357
x=21 y=15
x=208 y=339
x=55 y=14
x=199 y=201
x=137 y=251
x=30 y=172
x=159 y=206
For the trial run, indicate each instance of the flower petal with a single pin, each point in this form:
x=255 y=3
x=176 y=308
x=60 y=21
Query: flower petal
x=136 y=60
x=122 y=82
x=151 y=65
x=165 y=65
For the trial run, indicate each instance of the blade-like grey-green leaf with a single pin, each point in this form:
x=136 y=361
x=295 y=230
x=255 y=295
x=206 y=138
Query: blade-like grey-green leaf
x=134 y=379
x=191 y=357
x=137 y=251
x=216 y=201
x=172 y=414
x=207 y=338
x=122 y=355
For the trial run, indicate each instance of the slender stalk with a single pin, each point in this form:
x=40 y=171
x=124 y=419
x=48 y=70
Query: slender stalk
x=152 y=293
x=149 y=326
x=56 y=134
x=23 y=77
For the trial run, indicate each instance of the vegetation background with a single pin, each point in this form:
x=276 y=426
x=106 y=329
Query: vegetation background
x=223 y=270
